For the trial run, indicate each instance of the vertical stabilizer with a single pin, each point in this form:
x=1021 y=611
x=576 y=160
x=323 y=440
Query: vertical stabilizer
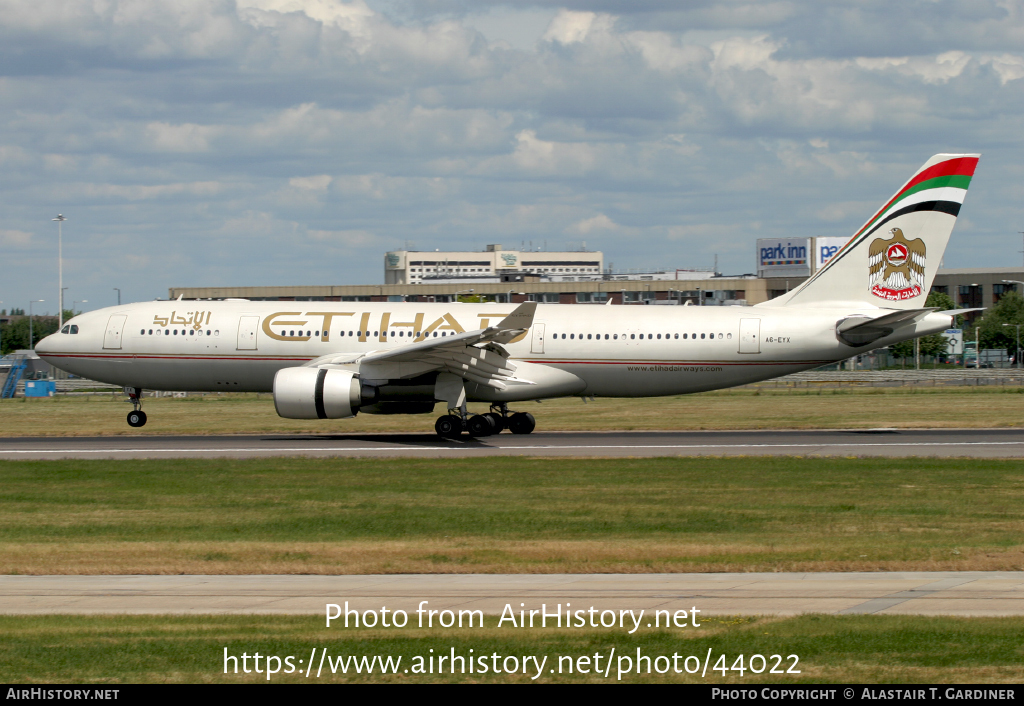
x=891 y=261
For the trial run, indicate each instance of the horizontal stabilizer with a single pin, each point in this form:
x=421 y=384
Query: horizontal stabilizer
x=861 y=330
x=961 y=312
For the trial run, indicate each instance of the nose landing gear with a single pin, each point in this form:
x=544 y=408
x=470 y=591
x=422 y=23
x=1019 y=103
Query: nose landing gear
x=136 y=418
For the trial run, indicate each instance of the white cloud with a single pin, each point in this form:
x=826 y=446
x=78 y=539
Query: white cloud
x=293 y=125
x=353 y=17
x=311 y=183
x=1010 y=67
x=571 y=27
x=17 y=239
x=187 y=137
x=598 y=222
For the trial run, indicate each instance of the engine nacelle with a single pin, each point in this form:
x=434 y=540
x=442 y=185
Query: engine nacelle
x=316 y=393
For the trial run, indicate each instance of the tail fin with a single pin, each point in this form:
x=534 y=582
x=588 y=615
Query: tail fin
x=891 y=261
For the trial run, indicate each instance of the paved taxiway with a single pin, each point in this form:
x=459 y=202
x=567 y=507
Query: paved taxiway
x=977 y=593
x=976 y=443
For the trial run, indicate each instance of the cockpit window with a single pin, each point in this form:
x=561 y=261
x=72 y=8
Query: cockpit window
x=74 y=328
x=66 y=329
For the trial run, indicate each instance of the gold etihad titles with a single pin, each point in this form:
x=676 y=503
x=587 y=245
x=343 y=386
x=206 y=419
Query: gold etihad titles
x=383 y=328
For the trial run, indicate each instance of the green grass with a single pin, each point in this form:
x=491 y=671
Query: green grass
x=866 y=649
x=298 y=515
x=816 y=407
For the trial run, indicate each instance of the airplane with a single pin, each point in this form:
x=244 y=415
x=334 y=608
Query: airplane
x=333 y=360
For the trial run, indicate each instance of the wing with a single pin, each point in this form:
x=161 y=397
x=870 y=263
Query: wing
x=477 y=356
x=916 y=260
x=876 y=257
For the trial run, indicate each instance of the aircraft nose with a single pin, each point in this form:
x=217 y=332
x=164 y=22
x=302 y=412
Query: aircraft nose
x=46 y=345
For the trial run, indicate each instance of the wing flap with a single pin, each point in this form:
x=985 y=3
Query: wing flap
x=476 y=356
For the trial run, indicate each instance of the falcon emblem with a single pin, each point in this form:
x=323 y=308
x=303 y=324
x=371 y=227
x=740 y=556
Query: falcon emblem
x=896 y=267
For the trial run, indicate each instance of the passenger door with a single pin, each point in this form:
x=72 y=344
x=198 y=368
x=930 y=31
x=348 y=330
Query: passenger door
x=750 y=335
x=115 y=327
x=537 y=345
x=247 y=326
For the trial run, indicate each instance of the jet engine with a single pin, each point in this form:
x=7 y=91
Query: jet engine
x=316 y=393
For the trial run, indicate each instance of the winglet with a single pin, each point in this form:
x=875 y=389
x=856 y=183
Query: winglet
x=520 y=319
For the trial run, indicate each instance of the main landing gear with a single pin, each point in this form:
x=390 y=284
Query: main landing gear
x=136 y=418
x=451 y=425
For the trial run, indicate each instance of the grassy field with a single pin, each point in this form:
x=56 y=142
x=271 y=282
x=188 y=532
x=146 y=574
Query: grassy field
x=850 y=407
x=533 y=515
x=832 y=649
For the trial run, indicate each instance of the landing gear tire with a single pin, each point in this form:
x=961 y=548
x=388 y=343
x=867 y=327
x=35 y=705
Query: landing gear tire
x=482 y=425
x=497 y=420
x=448 y=427
x=136 y=418
x=522 y=423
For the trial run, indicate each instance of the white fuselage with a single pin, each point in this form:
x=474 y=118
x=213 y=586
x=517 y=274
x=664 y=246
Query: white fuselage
x=618 y=351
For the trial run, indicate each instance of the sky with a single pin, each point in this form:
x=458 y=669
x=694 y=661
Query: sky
x=294 y=142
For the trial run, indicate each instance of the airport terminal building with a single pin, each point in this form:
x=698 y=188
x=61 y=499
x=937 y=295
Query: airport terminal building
x=581 y=277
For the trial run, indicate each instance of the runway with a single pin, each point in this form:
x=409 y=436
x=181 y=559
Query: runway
x=975 y=593
x=974 y=443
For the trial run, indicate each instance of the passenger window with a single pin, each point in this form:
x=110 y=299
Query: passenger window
x=141 y=333
x=572 y=335
x=685 y=336
x=66 y=329
x=729 y=336
x=590 y=337
x=659 y=336
x=677 y=336
x=702 y=336
x=392 y=333
x=616 y=337
x=632 y=335
x=175 y=332
x=207 y=332
x=719 y=336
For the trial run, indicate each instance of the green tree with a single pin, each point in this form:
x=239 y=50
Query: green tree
x=991 y=331
x=902 y=350
x=14 y=335
x=933 y=344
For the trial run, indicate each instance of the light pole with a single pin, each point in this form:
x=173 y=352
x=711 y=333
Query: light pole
x=60 y=271
x=83 y=301
x=30 y=332
x=462 y=291
x=1018 y=342
x=1013 y=281
x=118 y=295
